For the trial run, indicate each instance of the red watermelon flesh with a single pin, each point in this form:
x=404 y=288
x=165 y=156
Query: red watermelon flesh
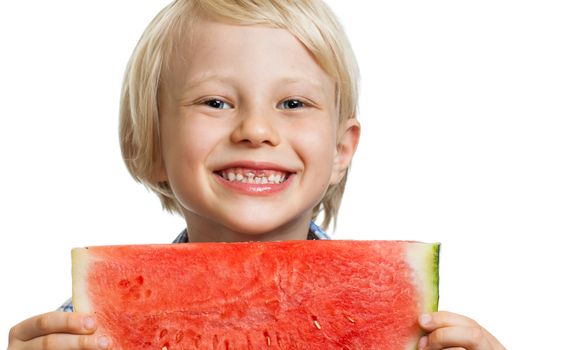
x=253 y=295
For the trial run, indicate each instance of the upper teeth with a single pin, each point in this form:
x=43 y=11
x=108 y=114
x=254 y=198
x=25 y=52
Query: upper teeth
x=249 y=177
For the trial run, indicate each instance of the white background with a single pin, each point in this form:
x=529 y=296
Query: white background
x=468 y=139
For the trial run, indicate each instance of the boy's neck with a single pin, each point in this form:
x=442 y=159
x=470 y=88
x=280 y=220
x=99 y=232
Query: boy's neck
x=198 y=232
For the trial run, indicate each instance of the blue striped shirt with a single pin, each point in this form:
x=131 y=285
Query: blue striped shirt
x=315 y=232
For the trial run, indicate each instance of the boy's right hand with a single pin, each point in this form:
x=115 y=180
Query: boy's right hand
x=57 y=330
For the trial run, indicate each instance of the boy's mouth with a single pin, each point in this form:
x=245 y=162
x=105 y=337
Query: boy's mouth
x=254 y=176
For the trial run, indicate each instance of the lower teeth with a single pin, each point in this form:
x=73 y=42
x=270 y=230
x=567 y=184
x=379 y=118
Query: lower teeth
x=254 y=180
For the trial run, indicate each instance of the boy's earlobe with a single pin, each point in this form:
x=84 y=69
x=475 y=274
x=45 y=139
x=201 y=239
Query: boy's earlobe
x=347 y=143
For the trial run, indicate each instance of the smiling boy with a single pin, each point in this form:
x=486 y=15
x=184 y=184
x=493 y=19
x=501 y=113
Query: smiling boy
x=240 y=115
x=250 y=133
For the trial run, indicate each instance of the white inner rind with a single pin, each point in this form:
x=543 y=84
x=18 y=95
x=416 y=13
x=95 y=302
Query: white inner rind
x=80 y=261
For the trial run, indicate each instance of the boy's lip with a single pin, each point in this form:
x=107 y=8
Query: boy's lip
x=273 y=178
x=255 y=189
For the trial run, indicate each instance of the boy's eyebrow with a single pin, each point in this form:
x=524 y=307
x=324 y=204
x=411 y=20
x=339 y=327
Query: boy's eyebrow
x=302 y=79
x=205 y=77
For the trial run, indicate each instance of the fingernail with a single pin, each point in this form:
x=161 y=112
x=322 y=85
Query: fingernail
x=423 y=342
x=89 y=323
x=424 y=320
x=103 y=342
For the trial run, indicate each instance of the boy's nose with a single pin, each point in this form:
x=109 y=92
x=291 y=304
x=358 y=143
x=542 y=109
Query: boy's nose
x=255 y=129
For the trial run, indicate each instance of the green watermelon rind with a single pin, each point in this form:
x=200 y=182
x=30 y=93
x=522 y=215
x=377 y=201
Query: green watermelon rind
x=424 y=261
x=435 y=256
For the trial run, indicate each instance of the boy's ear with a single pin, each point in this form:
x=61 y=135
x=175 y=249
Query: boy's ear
x=348 y=140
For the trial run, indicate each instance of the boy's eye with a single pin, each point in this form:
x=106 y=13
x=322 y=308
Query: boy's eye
x=218 y=104
x=292 y=104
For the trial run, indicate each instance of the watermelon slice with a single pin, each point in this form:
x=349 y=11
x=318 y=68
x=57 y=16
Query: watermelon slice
x=276 y=295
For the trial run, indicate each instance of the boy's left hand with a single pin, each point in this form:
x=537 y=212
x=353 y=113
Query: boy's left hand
x=447 y=330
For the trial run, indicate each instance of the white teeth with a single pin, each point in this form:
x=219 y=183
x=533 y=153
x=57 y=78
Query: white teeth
x=250 y=177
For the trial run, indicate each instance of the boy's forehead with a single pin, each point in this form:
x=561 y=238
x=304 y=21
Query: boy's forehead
x=217 y=51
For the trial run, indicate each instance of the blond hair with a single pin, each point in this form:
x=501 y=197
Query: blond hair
x=310 y=21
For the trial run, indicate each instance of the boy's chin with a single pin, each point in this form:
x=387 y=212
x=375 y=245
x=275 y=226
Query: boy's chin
x=267 y=230
x=254 y=228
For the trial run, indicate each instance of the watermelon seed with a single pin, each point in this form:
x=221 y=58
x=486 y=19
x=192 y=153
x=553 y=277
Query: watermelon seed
x=140 y=279
x=266 y=334
x=350 y=319
x=124 y=283
x=178 y=336
x=316 y=322
x=165 y=346
x=163 y=333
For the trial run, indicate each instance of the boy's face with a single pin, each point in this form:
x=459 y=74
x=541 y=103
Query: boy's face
x=249 y=130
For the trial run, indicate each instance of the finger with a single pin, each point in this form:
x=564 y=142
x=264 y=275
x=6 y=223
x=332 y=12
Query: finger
x=59 y=341
x=53 y=322
x=440 y=319
x=469 y=338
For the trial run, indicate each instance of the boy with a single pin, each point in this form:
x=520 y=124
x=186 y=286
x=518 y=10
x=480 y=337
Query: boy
x=240 y=115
